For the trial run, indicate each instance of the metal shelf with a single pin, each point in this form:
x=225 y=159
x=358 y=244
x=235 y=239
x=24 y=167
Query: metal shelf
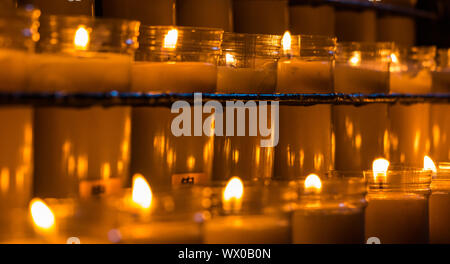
x=379 y=6
x=110 y=99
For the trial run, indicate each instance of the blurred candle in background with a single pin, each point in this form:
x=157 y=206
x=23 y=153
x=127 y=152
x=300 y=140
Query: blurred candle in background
x=361 y=133
x=182 y=60
x=16 y=132
x=439 y=202
x=398 y=204
x=410 y=73
x=261 y=16
x=440 y=119
x=356 y=24
x=64 y=7
x=306 y=67
x=311 y=19
x=205 y=13
x=248 y=64
x=330 y=211
x=148 y=12
x=241 y=219
x=395 y=28
x=82 y=151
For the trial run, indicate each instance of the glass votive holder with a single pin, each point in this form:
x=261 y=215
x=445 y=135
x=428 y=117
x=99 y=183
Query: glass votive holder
x=49 y=7
x=180 y=60
x=410 y=73
x=306 y=66
x=84 y=150
x=18 y=33
x=248 y=64
x=440 y=205
x=172 y=217
x=441 y=77
x=250 y=214
x=330 y=210
x=397 y=211
x=149 y=12
x=361 y=132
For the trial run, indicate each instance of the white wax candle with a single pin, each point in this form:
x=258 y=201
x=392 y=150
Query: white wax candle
x=205 y=13
x=439 y=217
x=261 y=16
x=257 y=229
x=337 y=226
x=149 y=12
x=360 y=79
x=157 y=153
x=178 y=77
x=74 y=145
x=398 y=221
x=246 y=80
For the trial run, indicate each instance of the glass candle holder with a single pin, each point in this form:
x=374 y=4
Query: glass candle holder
x=173 y=217
x=397 y=212
x=18 y=33
x=248 y=64
x=307 y=66
x=82 y=151
x=361 y=133
x=149 y=12
x=261 y=16
x=205 y=13
x=440 y=120
x=311 y=19
x=410 y=72
x=65 y=7
x=440 y=205
x=181 y=60
x=246 y=217
x=330 y=211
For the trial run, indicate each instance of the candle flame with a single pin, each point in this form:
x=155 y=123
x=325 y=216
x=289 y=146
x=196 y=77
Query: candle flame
x=234 y=189
x=141 y=193
x=230 y=60
x=287 y=42
x=171 y=39
x=380 y=168
x=394 y=58
x=42 y=215
x=355 y=60
x=81 y=39
x=428 y=164
x=313 y=183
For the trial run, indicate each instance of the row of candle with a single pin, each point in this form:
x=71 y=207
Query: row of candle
x=400 y=207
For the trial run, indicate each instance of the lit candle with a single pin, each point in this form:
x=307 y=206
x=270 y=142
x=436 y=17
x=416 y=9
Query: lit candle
x=398 y=204
x=236 y=227
x=305 y=132
x=182 y=61
x=248 y=64
x=67 y=162
x=410 y=73
x=323 y=217
x=261 y=16
x=361 y=133
x=151 y=224
x=205 y=13
x=149 y=12
x=439 y=202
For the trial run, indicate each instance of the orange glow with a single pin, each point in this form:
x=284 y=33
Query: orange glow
x=81 y=40
x=355 y=60
x=230 y=60
x=313 y=183
x=380 y=168
x=42 y=215
x=233 y=193
x=287 y=42
x=141 y=193
x=429 y=165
